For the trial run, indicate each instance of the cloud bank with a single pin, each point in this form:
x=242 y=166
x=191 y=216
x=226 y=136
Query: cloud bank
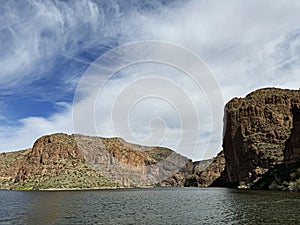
x=49 y=45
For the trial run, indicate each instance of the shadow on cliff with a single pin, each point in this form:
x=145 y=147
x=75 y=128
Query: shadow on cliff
x=221 y=181
x=284 y=177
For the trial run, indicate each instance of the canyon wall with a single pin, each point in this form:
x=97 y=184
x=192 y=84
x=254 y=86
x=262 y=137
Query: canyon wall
x=292 y=148
x=61 y=161
x=256 y=129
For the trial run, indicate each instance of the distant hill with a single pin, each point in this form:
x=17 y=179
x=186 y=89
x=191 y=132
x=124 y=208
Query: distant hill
x=208 y=173
x=202 y=164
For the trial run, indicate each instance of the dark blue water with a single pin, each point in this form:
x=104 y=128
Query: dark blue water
x=150 y=206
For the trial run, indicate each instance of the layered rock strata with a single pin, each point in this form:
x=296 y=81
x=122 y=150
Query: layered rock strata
x=256 y=130
x=62 y=161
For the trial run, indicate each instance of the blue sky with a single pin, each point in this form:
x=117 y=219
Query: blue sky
x=47 y=46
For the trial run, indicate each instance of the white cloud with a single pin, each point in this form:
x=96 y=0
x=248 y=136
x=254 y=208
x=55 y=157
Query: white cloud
x=12 y=138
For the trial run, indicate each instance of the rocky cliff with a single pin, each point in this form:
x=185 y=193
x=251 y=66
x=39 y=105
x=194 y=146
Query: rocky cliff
x=133 y=165
x=10 y=164
x=256 y=130
x=62 y=161
x=51 y=155
x=211 y=175
x=202 y=164
x=292 y=148
x=286 y=176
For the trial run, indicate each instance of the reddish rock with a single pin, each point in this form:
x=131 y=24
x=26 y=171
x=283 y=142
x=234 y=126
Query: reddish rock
x=78 y=161
x=10 y=164
x=131 y=164
x=49 y=156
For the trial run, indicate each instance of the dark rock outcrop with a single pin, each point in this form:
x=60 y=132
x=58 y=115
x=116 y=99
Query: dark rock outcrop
x=283 y=177
x=292 y=148
x=256 y=129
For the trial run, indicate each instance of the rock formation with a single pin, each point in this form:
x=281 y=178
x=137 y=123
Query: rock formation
x=62 y=161
x=211 y=175
x=179 y=178
x=292 y=148
x=256 y=129
x=49 y=156
x=10 y=164
x=130 y=164
x=202 y=164
x=286 y=176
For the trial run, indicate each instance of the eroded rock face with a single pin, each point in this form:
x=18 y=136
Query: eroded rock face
x=292 y=149
x=256 y=129
x=212 y=175
x=179 y=179
x=10 y=164
x=77 y=161
x=50 y=155
x=133 y=165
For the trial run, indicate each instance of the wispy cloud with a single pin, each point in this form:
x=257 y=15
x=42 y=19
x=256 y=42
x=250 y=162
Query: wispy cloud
x=36 y=33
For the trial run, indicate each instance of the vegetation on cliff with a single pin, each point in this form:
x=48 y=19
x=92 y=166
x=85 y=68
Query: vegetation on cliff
x=212 y=174
x=62 y=161
x=284 y=177
x=256 y=130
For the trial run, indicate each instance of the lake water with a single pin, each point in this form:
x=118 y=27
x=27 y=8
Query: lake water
x=150 y=206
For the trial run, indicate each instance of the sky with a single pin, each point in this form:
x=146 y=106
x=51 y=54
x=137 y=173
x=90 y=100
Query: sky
x=153 y=72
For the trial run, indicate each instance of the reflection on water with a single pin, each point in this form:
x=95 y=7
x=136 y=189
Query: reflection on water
x=265 y=207
x=150 y=206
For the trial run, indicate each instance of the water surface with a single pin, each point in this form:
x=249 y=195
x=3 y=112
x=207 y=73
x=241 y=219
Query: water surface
x=150 y=206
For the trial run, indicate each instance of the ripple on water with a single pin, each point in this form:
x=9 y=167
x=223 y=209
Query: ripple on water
x=150 y=206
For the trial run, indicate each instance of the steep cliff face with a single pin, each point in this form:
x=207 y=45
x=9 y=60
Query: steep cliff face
x=286 y=176
x=10 y=164
x=75 y=161
x=178 y=179
x=50 y=155
x=212 y=175
x=256 y=129
x=292 y=148
x=56 y=162
x=130 y=164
